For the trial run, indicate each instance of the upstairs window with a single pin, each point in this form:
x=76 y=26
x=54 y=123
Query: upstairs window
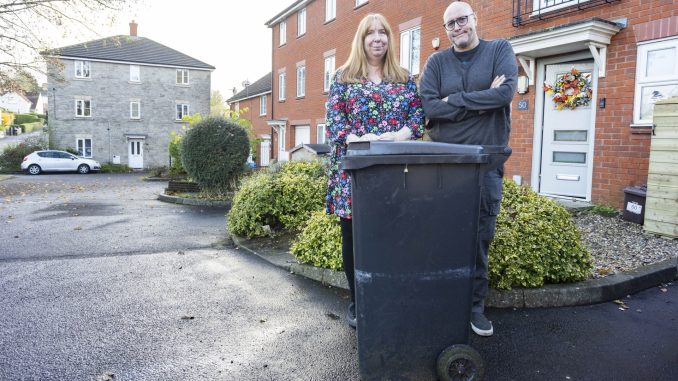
x=82 y=69
x=410 y=49
x=281 y=86
x=552 y=5
x=83 y=108
x=328 y=72
x=182 y=110
x=330 y=9
x=283 y=33
x=182 y=76
x=135 y=110
x=301 y=81
x=301 y=22
x=134 y=73
x=262 y=105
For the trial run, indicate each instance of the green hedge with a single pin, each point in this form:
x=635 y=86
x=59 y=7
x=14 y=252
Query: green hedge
x=319 y=244
x=536 y=242
x=30 y=127
x=26 y=118
x=282 y=199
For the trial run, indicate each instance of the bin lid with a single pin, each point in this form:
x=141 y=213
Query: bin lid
x=367 y=154
x=636 y=191
x=411 y=148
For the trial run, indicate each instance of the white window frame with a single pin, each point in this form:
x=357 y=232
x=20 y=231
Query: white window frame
x=138 y=110
x=83 y=152
x=134 y=73
x=281 y=86
x=262 y=105
x=539 y=6
x=330 y=10
x=360 y=2
x=182 y=77
x=301 y=81
x=408 y=46
x=182 y=108
x=83 y=69
x=283 y=32
x=328 y=72
x=281 y=139
x=667 y=81
x=301 y=22
x=320 y=131
x=83 y=108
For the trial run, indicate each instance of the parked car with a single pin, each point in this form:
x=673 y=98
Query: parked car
x=57 y=161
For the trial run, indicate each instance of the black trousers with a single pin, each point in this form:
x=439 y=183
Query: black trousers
x=347 y=253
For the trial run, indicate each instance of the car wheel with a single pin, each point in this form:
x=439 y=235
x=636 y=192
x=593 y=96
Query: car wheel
x=34 y=169
x=83 y=169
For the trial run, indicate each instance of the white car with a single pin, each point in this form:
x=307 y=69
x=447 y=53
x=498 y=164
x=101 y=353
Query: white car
x=57 y=161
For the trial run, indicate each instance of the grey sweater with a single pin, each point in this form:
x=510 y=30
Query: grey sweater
x=473 y=113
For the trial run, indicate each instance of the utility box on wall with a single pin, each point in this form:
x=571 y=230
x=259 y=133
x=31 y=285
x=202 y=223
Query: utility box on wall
x=661 y=204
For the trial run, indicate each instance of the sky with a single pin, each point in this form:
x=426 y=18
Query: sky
x=229 y=35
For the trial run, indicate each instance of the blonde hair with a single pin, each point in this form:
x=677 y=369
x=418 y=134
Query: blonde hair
x=355 y=68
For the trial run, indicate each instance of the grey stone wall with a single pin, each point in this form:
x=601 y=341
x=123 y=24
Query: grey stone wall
x=111 y=91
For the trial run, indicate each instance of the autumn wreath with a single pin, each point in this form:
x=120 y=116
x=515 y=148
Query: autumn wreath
x=571 y=90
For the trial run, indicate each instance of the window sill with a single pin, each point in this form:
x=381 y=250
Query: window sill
x=282 y=45
x=82 y=117
x=641 y=128
x=135 y=119
x=301 y=96
x=182 y=85
x=134 y=82
x=329 y=21
x=281 y=100
x=82 y=78
x=361 y=5
x=301 y=35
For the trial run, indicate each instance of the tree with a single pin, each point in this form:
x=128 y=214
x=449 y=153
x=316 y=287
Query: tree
x=26 y=82
x=217 y=104
x=27 y=27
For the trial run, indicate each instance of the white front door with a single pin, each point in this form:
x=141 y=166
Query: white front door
x=567 y=139
x=135 y=152
x=264 y=153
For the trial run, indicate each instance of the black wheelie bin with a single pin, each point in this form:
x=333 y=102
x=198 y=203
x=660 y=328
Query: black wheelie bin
x=415 y=221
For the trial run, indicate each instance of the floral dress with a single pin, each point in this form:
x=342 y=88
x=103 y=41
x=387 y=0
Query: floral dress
x=362 y=108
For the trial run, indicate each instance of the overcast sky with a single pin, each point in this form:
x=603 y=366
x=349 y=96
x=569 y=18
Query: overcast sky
x=229 y=35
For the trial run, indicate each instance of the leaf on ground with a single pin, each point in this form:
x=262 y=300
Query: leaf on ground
x=663 y=290
x=187 y=317
x=78 y=228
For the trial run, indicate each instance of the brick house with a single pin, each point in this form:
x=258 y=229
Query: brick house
x=117 y=99
x=626 y=49
x=254 y=104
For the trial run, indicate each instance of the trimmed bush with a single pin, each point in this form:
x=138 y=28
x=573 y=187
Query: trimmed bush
x=26 y=118
x=319 y=244
x=214 y=153
x=536 y=242
x=30 y=127
x=282 y=199
x=176 y=169
x=254 y=205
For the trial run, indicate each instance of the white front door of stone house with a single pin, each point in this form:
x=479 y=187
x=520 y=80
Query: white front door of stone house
x=135 y=153
x=567 y=139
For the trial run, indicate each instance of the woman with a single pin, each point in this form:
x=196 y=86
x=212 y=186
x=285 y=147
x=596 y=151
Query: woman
x=371 y=97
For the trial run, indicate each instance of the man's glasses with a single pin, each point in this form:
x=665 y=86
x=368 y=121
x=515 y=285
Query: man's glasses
x=461 y=21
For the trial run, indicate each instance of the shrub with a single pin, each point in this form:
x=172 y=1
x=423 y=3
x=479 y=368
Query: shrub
x=176 y=168
x=253 y=206
x=12 y=156
x=214 y=153
x=114 y=168
x=282 y=199
x=30 y=127
x=26 y=118
x=536 y=242
x=319 y=243
x=605 y=210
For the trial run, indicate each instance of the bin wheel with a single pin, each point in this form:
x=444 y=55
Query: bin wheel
x=460 y=363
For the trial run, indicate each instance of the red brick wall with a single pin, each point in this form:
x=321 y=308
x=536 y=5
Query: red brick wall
x=621 y=153
x=259 y=122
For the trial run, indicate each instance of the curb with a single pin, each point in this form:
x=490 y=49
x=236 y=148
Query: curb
x=551 y=295
x=193 y=201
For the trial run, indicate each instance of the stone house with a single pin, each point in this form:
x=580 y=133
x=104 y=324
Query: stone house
x=117 y=99
x=625 y=50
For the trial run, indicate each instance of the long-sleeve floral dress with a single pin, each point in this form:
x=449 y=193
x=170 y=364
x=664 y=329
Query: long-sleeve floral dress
x=362 y=108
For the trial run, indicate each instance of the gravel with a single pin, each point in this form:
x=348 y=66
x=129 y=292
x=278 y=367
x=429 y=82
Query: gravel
x=618 y=245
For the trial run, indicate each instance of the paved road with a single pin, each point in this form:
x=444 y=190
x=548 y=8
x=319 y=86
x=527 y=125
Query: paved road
x=99 y=280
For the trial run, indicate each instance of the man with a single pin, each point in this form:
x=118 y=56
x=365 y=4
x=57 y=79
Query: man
x=466 y=93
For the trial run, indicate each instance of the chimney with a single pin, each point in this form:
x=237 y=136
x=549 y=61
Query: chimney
x=133 y=28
